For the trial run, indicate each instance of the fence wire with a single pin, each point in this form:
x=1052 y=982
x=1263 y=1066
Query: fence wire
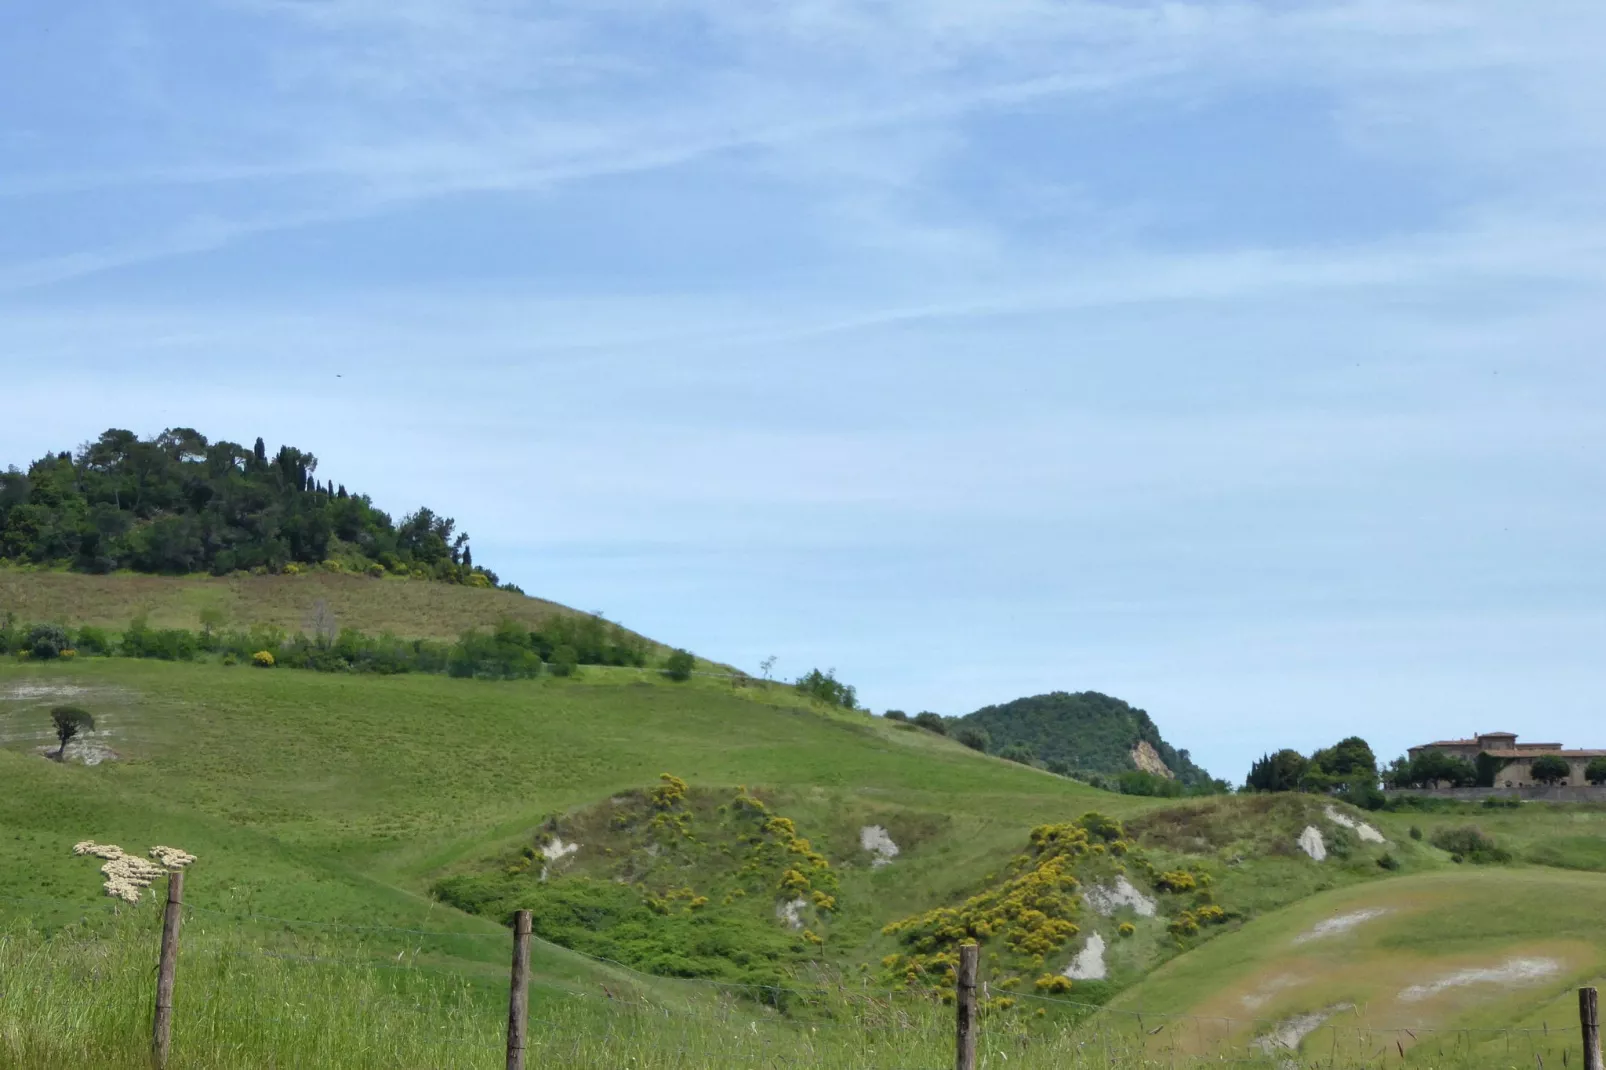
x=829 y=1006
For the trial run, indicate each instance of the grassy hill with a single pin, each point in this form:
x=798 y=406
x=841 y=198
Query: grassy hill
x=360 y=838
x=1477 y=964
x=413 y=609
x=1084 y=732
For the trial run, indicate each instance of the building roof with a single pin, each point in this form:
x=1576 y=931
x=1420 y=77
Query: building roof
x=1521 y=752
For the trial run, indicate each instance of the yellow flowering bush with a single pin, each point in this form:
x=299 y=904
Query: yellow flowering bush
x=670 y=791
x=1052 y=982
x=262 y=659
x=1126 y=928
x=1031 y=912
x=1176 y=880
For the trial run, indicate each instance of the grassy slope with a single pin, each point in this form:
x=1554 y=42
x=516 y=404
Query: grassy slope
x=1434 y=925
x=413 y=609
x=320 y=796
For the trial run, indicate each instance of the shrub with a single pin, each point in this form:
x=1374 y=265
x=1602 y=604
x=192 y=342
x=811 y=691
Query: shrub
x=229 y=658
x=1126 y=928
x=47 y=641
x=1416 y=832
x=93 y=641
x=825 y=687
x=1388 y=862
x=564 y=661
x=678 y=666
x=931 y=722
x=973 y=737
x=1595 y=771
x=1019 y=752
x=896 y=715
x=262 y=659
x=1176 y=880
x=1469 y=843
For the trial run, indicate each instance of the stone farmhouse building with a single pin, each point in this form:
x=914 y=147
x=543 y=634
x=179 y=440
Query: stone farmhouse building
x=1517 y=756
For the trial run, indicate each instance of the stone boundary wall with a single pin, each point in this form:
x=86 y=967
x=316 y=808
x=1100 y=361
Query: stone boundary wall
x=1537 y=793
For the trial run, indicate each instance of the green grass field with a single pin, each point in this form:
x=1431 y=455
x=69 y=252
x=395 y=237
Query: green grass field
x=324 y=807
x=413 y=609
x=1482 y=959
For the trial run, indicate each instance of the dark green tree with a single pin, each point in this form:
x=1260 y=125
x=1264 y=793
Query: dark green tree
x=1282 y=771
x=1018 y=752
x=931 y=722
x=973 y=737
x=678 y=665
x=896 y=715
x=46 y=641
x=1434 y=768
x=565 y=660
x=69 y=721
x=1595 y=771
x=1550 y=769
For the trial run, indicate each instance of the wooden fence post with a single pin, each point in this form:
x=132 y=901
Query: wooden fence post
x=518 y=1003
x=162 y=1026
x=965 y=1004
x=1589 y=1018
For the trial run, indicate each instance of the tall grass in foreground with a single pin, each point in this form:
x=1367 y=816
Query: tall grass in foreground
x=82 y=998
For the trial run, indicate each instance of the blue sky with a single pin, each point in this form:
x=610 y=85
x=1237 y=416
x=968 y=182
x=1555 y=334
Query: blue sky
x=1239 y=359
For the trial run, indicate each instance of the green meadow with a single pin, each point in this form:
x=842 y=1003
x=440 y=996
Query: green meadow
x=329 y=810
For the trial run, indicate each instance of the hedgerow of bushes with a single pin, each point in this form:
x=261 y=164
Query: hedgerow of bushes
x=509 y=651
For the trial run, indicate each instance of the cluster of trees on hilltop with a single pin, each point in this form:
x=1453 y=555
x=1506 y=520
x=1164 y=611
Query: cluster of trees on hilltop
x=1347 y=768
x=177 y=503
x=1081 y=734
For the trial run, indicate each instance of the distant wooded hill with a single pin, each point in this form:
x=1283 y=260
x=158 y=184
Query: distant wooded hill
x=1084 y=732
x=177 y=503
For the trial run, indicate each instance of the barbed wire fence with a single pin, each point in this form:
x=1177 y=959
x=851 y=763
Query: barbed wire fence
x=1341 y=1036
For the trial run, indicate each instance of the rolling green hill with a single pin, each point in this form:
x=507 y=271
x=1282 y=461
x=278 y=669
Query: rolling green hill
x=1084 y=732
x=413 y=609
x=678 y=839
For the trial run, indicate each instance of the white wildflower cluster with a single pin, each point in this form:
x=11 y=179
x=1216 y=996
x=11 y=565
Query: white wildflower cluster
x=127 y=876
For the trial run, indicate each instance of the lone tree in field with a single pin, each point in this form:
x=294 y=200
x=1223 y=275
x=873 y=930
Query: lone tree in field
x=1595 y=771
x=679 y=665
x=1550 y=769
x=69 y=721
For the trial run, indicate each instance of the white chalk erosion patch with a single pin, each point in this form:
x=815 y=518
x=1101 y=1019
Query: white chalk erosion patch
x=1511 y=972
x=555 y=850
x=34 y=692
x=1343 y=923
x=1311 y=842
x=1106 y=899
x=1273 y=985
x=791 y=912
x=1287 y=1035
x=1366 y=832
x=874 y=838
x=1088 y=965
